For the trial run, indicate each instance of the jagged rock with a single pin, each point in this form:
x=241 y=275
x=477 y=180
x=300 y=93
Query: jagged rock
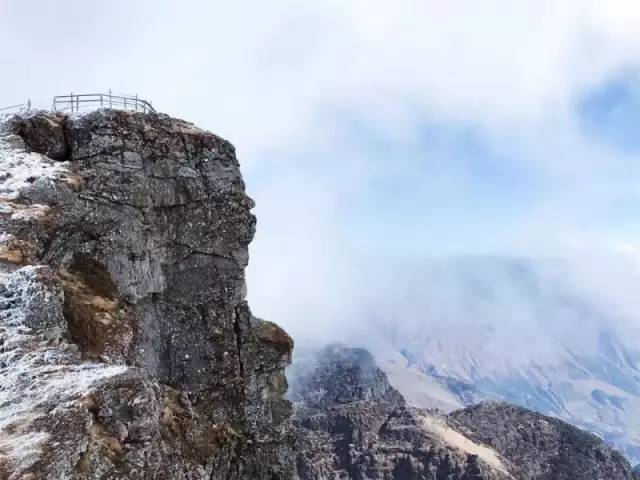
x=126 y=347
x=43 y=132
x=338 y=376
x=353 y=425
x=541 y=447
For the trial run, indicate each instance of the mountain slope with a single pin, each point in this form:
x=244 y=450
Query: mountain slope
x=353 y=425
x=517 y=331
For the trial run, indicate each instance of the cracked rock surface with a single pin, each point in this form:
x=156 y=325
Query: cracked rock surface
x=127 y=349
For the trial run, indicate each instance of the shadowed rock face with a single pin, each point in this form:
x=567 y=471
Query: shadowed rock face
x=140 y=235
x=353 y=425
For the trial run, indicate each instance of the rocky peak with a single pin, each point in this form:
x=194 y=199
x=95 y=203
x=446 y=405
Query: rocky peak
x=336 y=375
x=128 y=351
x=353 y=425
x=123 y=243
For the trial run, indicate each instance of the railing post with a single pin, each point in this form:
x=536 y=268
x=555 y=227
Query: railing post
x=71 y=100
x=100 y=100
x=110 y=105
x=29 y=104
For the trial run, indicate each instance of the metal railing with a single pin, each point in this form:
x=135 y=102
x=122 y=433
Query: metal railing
x=87 y=101
x=76 y=103
x=16 y=108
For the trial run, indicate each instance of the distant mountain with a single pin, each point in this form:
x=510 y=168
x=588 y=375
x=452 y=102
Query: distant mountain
x=352 y=424
x=517 y=331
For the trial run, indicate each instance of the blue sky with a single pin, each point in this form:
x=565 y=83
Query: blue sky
x=609 y=113
x=451 y=188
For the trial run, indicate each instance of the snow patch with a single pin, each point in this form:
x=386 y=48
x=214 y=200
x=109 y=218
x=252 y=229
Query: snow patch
x=39 y=369
x=418 y=389
x=19 y=168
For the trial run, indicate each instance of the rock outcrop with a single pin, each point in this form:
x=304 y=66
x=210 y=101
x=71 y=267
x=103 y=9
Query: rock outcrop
x=127 y=350
x=354 y=425
x=541 y=447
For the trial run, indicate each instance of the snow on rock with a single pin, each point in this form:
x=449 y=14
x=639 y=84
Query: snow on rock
x=40 y=370
x=19 y=169
x=438 y=426
x=42 y=374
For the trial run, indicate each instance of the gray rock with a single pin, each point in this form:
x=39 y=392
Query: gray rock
x=353 y=425
x=541 y=447
x=42 y=132
x=143 y=234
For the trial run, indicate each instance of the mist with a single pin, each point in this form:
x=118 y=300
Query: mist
x=376 y=135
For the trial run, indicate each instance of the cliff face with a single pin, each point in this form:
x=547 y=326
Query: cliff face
x=126 y=347
x=354 y=425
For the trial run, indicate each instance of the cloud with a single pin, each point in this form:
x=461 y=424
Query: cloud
x=370 y=131
x=262 y=73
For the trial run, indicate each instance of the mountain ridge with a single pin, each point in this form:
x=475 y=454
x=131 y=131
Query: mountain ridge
x=521 y=331
x=354 y=425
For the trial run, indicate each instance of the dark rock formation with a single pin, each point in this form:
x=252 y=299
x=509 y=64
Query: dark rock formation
x=541 y=447
x=43 y=132
x=353 y=425
x=126 y=347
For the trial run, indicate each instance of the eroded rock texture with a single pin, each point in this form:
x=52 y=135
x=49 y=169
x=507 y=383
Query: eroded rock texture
x=126 y=347
x=541 y=447
x=354 y=425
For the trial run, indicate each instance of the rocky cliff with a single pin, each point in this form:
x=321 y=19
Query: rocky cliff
x=354 y=425
x=127 y=350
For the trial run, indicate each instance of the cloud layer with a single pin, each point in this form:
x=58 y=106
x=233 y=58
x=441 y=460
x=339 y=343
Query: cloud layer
x=371 y=132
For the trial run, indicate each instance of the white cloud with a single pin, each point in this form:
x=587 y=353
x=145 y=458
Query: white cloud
x=261 y=72
x=275 y=77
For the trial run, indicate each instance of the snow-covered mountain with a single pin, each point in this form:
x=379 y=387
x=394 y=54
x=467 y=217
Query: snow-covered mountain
x=526 y=332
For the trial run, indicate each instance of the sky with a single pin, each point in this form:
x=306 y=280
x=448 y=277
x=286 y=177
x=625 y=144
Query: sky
x=372 y=132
